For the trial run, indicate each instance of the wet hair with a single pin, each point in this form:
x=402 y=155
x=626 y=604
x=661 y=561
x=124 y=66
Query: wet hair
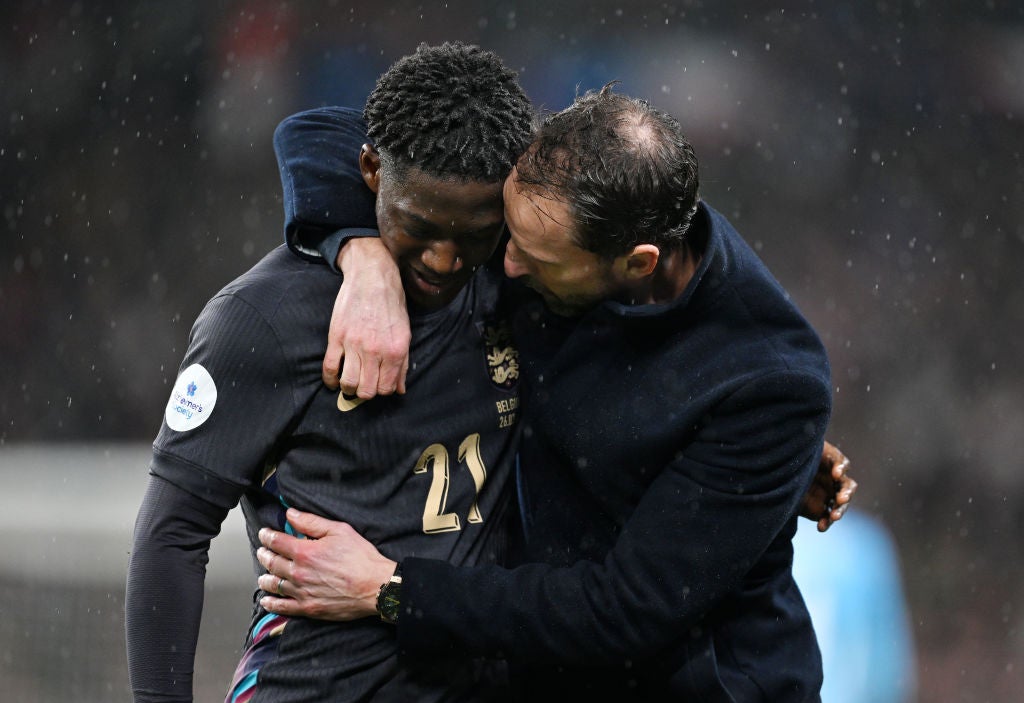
x=624 y=168
x=452 y=110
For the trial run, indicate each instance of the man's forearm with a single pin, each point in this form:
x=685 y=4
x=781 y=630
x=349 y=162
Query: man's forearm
x=702 y=525
x=357 y=254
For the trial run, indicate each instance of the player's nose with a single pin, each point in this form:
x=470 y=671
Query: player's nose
x=443 y=257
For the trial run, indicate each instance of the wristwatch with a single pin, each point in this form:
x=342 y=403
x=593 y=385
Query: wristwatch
x=389 y=597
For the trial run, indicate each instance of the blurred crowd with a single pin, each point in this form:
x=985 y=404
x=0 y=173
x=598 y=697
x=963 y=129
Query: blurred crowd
x=870 y=152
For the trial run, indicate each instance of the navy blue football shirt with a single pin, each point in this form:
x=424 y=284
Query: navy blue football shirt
x=423 y=474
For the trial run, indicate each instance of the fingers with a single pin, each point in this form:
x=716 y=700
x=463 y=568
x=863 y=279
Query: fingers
x=369 y=373
x=274 y=585
x=313 y=526
x=837 y=514
x=281 y=606
x=831 y=453
x=845 y=494
x=279 y=543
x=833 y=517
x=839 y=463
x=834 y=512
x=277 y=566
x=331 y=368
x=391 y=375
x=402 y=375
x=376 y=372
x=840 y=467
x=394 y=360
x=351 y=375
x=372 y=376
x=280 y=587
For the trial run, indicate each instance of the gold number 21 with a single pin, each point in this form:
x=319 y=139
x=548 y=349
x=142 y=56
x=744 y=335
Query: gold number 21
x=435 y=519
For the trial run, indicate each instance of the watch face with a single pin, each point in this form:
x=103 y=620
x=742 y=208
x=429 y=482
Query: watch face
x=389 y=600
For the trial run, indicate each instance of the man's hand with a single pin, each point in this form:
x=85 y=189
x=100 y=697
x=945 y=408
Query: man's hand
x=370 y=325
x=831 y=491
x=333 y=575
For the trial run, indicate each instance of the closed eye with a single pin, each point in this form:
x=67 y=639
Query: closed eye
x=419 y=233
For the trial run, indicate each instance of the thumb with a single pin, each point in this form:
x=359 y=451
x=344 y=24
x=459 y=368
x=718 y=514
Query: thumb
x=313 y=526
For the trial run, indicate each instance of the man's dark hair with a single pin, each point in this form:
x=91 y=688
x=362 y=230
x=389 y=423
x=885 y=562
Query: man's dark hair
x=452 y=110
x=624 y=168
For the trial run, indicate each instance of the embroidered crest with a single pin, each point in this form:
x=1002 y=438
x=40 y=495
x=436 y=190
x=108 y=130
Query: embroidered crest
x=502 y=355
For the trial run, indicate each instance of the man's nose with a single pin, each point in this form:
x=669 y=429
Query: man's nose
x=443 y=257
x=514 y=267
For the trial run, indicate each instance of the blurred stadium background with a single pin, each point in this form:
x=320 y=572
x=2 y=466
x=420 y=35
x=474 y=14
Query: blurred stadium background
x=871 y=153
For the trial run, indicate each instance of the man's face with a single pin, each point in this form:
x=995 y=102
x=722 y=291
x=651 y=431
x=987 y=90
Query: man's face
x=438 y=230
x=543 y=251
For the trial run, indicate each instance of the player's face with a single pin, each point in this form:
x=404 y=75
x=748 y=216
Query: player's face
x=438 y=230
x=543 y=251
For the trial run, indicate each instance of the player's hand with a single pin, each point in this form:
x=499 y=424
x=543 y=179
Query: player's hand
x=333 y=575
x=831 y=491
x=369 y=330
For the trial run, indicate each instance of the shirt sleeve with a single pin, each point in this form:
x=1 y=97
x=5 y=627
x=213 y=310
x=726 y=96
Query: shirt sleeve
x=697 y=533
x=164 y=596
x=322 y=186
x=234 y=398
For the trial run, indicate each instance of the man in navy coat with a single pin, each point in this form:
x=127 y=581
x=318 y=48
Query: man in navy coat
x=674 y=414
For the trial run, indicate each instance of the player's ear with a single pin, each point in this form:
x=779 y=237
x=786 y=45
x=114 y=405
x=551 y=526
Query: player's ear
x=369 y=166
x=640 y=261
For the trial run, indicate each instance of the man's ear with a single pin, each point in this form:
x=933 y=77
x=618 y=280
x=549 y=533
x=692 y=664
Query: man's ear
x=640 y=261
x=369 y=166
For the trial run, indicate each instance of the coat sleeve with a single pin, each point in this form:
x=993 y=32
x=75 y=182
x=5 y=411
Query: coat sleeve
x=322 y=188
x=699 y=530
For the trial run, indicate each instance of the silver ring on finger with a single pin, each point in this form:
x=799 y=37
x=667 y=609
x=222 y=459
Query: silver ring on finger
x=280 y=583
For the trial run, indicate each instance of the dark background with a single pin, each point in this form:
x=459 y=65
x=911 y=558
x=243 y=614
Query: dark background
x=870 y=152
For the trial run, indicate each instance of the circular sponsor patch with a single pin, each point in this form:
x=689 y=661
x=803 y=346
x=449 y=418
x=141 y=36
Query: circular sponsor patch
x=192 y=399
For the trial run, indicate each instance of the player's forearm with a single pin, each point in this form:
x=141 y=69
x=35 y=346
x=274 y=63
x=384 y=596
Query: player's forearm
x=162 y=613
x=164 y=597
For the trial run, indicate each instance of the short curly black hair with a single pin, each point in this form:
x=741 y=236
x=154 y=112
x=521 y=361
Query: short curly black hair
x=452 y=110
x=625 y=169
